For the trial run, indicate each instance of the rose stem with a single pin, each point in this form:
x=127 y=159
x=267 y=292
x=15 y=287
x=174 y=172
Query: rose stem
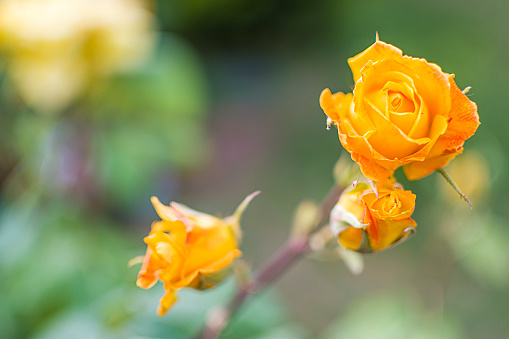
x=273 y=268
x=453 y=184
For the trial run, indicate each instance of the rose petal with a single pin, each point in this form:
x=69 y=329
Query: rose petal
x=164 y=212
x=370 y=169
x=214 y=267
x=351 y=238
x=438 y=127
x=422 y=120
x=388 y=139
x=418 y=170
x=169 y=298
x=338 y=107
x=390 y=231
x=328 y=104
x=407 y=199
x=463 y=118
x=147 y=276
x=165 y=245
x=207 y=247
x=463 y=121
x=378 y=51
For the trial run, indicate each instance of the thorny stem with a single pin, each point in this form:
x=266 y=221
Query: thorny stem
x=292 y=250
x=453 y=184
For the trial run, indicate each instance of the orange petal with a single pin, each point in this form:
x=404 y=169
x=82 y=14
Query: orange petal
x=389 y=140
x=419 y=169
x=378 y=51
x=431 y=84
x=212 y=268
x=146 y=280
x=169 y=298
x=438 y=127
x=222 y=263
x=370 y=169
x=175 y=227
x=327 y=104
x=187 y=280
x=361 y=145
x=335 y=106
x=463 y=118
x=390 y=231
x=165 y=245
x=406 y=198
x=351 y=238
x=164 y=212
x=147 y=276
x=463 y=121
x=372 y=228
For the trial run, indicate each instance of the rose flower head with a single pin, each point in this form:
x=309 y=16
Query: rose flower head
x=368 y=221
x=188 y=248
x=404 y=111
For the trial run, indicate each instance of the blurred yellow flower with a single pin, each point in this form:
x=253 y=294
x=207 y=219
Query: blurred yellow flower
x=369 y=221
x=188 y=249
x=56 y=49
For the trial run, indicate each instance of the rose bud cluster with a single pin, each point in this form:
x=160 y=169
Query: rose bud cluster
x=403 y=112
x=367 y=221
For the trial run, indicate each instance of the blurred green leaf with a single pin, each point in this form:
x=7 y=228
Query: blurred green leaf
x=72 y=324
x=480 y=244
x=392 y=316
x=262 y=317
x=170 y=85
x=151 y=122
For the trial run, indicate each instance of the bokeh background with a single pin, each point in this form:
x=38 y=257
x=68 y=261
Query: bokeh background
x=105 y=103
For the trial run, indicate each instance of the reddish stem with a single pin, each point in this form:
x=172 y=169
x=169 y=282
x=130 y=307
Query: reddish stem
x=270 y=271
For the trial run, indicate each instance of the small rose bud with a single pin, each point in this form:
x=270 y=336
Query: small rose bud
x=366 y=223
x=188 y=248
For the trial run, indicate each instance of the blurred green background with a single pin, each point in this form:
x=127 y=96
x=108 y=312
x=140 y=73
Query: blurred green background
x=225 y=102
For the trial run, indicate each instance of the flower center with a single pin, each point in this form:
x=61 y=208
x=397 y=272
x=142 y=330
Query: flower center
x=395 y=101
x=389 y=204
x=399 y=103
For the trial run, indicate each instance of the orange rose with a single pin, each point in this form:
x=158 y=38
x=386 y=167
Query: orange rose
x=404 y=111
x=188 y=249
x=366 y=223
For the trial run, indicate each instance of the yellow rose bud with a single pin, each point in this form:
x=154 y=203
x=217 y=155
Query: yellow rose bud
x=188 y=248
x=404 y=111
x=366 y=223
